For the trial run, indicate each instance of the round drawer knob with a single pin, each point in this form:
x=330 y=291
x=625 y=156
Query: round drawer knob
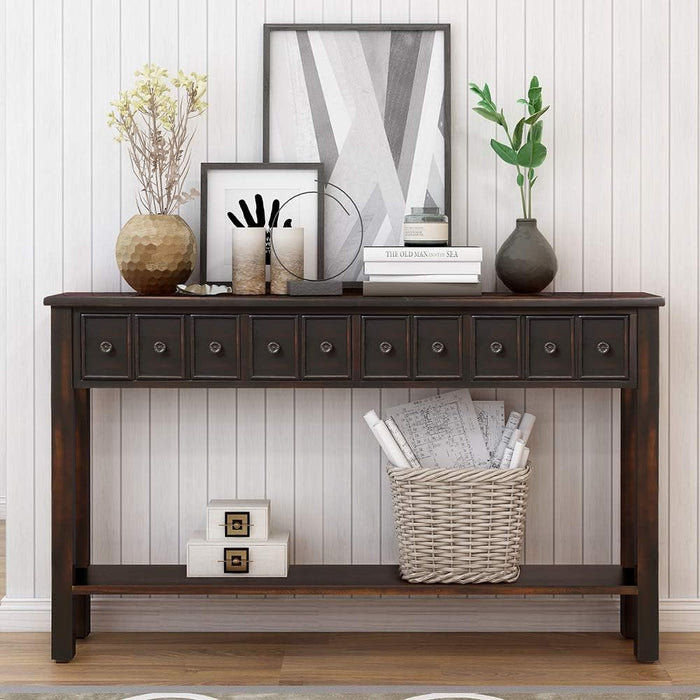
x=215 y=347
x=326 y=346
x=106 y=347
x=603 y=347
x=496 y=347
x=438 y=346
x=273 y=348
x=550 y=348
x=160 y=347
x=386 y=347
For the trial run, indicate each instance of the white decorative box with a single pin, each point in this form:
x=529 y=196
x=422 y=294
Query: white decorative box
x=234 y=520
x=243 y=558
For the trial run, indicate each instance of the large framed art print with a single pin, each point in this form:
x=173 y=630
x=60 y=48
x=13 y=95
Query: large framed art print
x=372 y=103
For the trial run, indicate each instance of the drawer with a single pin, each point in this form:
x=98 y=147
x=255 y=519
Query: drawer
x=437 y=348
x=385 y=347
x=233 y=520
x=273 y=347
x=549 y=347
x=159 y=347
x=214 y=347
x=105 y=346
x=496 y=347
x=604 y=347
x=326 y=347
x=244 y=558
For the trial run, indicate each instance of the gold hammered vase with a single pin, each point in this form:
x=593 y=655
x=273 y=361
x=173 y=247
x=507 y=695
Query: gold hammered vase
x=156 y=252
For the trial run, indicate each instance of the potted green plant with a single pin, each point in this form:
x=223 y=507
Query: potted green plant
x=526 y=262
x=156 y=249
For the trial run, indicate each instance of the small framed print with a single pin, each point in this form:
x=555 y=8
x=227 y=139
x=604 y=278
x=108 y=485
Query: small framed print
x=236 y=560
x=251 y=194
x=237 y=524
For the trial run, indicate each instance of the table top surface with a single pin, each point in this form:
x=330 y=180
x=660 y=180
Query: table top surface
x=353 y=298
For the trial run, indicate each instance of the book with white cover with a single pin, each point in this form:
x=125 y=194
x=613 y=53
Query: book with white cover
x=401 y=253
x=421 y=267
x=426 y=279
x=244 y=558
x=421 y=289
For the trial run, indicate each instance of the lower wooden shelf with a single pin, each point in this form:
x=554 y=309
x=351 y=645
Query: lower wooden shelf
x=356 y=580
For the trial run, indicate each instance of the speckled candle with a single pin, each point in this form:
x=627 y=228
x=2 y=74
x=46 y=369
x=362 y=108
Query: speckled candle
x=289 y=249
x=248 y=251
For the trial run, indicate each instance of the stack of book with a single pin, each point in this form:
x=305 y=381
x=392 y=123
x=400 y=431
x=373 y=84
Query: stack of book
x=422 y=271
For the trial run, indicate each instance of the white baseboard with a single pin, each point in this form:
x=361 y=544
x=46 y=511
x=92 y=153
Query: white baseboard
x=347 y=615
x=3 y=507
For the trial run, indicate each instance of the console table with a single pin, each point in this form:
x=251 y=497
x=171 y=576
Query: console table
x=549 y=340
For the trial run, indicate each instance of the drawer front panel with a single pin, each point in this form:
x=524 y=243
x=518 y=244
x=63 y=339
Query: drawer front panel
x=550 y=347
x=604 y=347
x=160 y=347
x=496 y=347
x=385 y=347
x=273 y=347
x=215 y=346
x=326 y=347
x=105 y=346
x=437 y=346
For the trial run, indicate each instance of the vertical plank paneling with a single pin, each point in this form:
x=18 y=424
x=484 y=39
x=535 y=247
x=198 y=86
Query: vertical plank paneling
x=655 y=227
x=481 y=170
x=19 y=49
x=366 y=465
x=280 y=485
x=251 y=443
x=568 y=132
x=3 y=263
x=598 y=524
x=49 y=276
x=424 y=11
x=191 y=56
x=683 y=300
x=337 y=476
x=454 y=13
x=395 y=12
x=106 y=221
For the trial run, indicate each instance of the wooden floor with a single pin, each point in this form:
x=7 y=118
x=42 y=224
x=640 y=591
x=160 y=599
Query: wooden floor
x=345 y=659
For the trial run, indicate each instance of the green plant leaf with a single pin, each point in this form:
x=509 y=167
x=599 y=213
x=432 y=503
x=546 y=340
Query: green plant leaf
x=530 y=174
x=488 y=114
x=506 y=153
x=534 y=82
x=487 y=92
x=485 y=105
x=520 y=179
x=534 y=93
x=533 y=118
x=475 y=88
x=504 y=123
x=518 y=134
x=535 y=132
x=523 y=101
x=532 y=182
x=532 y=155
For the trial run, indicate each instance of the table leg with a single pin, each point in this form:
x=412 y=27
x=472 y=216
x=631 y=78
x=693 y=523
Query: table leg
x=63 y=482
x=81 y=604
x=628 y=510
x=646 y=646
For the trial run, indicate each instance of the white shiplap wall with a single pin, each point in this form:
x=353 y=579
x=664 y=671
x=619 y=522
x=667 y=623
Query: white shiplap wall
x=618 y=198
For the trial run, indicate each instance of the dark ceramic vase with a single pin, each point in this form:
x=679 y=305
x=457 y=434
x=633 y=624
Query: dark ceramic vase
x=526 y=263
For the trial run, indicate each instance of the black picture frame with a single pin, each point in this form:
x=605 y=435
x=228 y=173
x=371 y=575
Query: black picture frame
x=268 y=29
x=206 y=168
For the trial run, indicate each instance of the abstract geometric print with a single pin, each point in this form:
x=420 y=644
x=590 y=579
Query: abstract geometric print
x=370 y=105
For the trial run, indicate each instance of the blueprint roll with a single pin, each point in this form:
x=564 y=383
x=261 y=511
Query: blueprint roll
x=391 y=450
x=517 y=454
x=515 y=436
x=526 y=425
x=524 y=458
x=511 y=425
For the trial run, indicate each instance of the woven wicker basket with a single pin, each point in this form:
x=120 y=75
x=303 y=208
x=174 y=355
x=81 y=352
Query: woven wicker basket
x=459 y=525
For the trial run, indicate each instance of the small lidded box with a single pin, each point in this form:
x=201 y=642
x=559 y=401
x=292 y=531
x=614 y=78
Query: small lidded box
x=231 y=520
x=244 y=558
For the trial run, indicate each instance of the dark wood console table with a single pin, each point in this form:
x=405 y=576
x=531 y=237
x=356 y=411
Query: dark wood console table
x=560 y=340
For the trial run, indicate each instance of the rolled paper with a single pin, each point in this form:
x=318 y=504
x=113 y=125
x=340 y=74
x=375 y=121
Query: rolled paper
x=516 y=435
x=389 y=447
x=511 y=425
x=288 y=252
x=507 y=456
x=525 y=427
x=524 y=458
x=248 y=260
x=517 y=454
